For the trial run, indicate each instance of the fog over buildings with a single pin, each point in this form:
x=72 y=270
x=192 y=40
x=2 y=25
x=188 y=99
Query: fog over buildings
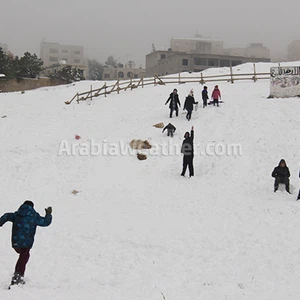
x=127 y=29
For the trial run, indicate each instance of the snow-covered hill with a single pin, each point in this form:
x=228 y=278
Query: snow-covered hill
x=137 y=229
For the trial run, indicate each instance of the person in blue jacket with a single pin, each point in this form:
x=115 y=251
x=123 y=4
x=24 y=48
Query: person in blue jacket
x=25 y=220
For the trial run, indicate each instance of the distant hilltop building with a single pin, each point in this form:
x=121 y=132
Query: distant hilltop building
x=294 y=51
x=121 y=72
x=56 y=56
x=198 y=54
x=4 y=47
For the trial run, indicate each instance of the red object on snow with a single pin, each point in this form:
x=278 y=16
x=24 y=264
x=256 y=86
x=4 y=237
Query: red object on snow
x=77 y=137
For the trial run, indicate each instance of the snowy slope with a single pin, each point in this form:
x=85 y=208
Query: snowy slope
x=137 y=229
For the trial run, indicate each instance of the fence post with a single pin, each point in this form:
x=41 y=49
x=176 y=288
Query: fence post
x=254 y=77
x=154 y=80
x=202 y=80
x=118 y=86
x=77 y=98
x=105 y=89
x=131 y=83
x=91 y=92
x=231 y=76
x=142 y=81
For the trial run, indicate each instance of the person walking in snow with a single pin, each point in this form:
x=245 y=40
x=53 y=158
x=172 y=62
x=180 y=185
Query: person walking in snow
x=189 y=104
x=170 y=129
x=216 y=95
x=204 y=96
x=25 y=220
x=187 y=149
x=281 y=173
x=174 y=102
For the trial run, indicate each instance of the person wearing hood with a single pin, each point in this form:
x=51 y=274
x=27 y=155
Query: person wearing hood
x=216 y=95
x=174 y=102
x=189 y=104
x=25 y=220
x=170 y=129
x=187 y=149
x=281 y=173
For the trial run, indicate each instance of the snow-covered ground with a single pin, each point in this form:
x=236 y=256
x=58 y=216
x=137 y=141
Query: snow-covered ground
x=137 y=229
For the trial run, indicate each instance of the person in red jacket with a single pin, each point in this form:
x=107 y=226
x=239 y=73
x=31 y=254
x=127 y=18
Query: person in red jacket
x=216 y=95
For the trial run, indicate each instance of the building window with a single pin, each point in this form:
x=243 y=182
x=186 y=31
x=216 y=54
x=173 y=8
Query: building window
x=64 y=51
x=198 y=61
x=185 y=62
x=53 y=59
x=130 y=75
x=136 y=75
x=236 y=62
x=224 y=63
x=106 y=76
x=53 y=50
x=77 y=52
x=212 y=62
x=76 y=61
x=162 y=56
x=121 y=75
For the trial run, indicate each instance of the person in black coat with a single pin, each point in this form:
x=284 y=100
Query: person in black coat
x=174 y=102
x=189 y=104
x=281 y=173
x=170 y=129
x=187 y=149
x=204 y=96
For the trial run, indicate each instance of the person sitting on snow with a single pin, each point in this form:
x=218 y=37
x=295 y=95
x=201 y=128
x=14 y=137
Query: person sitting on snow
x=281 y=174
x=170 y=129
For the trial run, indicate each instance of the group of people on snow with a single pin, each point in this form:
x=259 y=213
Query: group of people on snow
x=281 y=173
x=26 y=219
x=187 y=148
x=190 y=101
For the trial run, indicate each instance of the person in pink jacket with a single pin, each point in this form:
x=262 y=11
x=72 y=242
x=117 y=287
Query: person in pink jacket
x=216 y=95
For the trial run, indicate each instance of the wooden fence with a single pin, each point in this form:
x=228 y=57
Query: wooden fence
x=163 y=80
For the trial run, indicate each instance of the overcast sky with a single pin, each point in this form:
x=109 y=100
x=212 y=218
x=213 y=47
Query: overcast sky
x=127 y=29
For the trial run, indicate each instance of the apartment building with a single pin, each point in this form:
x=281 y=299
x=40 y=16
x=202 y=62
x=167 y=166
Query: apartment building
x=198 y=54
x=129 y=71
x=294 y=51
x=55 y=56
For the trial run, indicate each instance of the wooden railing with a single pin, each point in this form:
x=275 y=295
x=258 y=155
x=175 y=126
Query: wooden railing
x=163 y=80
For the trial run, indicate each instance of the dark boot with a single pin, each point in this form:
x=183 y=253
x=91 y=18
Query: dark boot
x=17 y=279
x=275 y=189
